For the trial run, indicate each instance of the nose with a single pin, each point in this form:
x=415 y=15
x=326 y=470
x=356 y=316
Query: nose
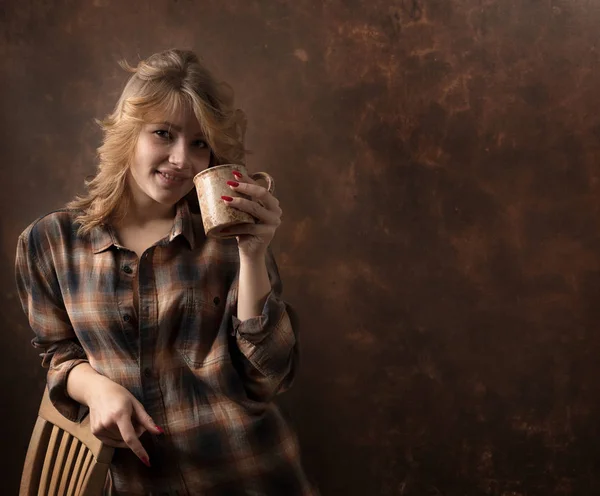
x=179 y=155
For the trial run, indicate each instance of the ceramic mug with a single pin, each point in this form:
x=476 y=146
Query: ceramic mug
x=210 y=185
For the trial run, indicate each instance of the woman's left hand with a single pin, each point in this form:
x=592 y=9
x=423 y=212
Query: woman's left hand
x=254 y=239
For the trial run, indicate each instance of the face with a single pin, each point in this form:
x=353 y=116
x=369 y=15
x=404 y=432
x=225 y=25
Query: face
x=168 y=154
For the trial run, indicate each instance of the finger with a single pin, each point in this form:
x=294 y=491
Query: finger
x=107 y=432
x=261 y=213
x=258 y=193
x=139 y=428
x=144 y=419
x=131 y=440
x=109 y=441
x=114 y=435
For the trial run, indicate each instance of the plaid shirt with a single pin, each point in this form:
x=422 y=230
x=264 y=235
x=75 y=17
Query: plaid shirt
x=207 y=378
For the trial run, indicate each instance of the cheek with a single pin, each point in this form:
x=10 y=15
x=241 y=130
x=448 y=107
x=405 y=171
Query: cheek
x=146 y=158
x=138 y=170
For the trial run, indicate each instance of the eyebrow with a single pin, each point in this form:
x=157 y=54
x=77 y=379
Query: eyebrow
x=177 y=128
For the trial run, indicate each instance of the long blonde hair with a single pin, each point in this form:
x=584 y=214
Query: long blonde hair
x=159 y=85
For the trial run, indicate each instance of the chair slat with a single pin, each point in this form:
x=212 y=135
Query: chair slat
x=80 y=430
x=34 y=459
x=89 y=475
x=49 y=462
x=77 y=470
x=84 y=470
x=64 y=458
x=96 y=479
x=68 y=466
x=58 y=468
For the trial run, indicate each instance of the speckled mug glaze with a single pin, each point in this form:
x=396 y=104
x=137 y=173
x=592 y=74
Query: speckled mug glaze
x=210 y=185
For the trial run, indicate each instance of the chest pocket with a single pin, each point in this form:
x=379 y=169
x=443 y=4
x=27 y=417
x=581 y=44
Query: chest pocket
x=201 y=335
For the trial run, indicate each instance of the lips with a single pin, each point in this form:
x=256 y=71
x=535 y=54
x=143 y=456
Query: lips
x=171 y=178
x=172 y=175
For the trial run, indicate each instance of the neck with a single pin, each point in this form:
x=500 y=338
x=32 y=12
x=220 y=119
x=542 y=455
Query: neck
x=142 y=211
x=150 y=213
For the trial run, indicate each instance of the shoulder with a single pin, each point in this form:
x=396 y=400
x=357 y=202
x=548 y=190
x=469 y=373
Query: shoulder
x=54 y=227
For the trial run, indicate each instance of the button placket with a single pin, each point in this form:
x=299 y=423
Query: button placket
x=125 y=267
x=146 y=330
x=129 y=271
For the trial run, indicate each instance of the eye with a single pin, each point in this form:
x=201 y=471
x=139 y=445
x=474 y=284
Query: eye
x=163 y=133
x=200 y=144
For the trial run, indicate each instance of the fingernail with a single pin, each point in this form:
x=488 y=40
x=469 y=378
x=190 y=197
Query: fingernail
x=226 y=198
x=237 y=174
x=146 y=461
x=235 y=184
x=159 y=429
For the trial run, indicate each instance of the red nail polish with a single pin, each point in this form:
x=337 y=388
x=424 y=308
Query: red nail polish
x=237 y=174
x=235 y=184
x=226 y=198
x=146 y=461
x=159 y=429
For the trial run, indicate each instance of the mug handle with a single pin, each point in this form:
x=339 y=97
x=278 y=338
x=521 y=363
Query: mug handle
x=269 y=180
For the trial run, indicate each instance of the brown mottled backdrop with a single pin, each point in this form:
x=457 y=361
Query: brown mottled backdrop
x=438 y=164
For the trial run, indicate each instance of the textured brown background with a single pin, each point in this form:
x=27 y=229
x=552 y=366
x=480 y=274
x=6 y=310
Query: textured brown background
x=437 y=162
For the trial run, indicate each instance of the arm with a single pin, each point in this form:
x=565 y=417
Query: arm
x=72 y=382
x=83 y=381
x=254 y=287
x=263 y=329
x=39 y=293
x=117 y=418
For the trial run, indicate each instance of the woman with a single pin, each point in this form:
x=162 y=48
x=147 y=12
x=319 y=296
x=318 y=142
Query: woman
x=175 y=342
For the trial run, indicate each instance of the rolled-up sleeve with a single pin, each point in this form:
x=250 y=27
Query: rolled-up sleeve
x=268 y=341
x=39 y=292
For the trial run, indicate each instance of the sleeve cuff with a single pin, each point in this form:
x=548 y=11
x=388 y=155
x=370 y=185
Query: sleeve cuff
x=267 y=340
x=61 y=365
x=57 y=390
x=256 y=329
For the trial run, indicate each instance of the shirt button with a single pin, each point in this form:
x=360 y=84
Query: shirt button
x=127 y=269
x=126 y=317
x=147 y=372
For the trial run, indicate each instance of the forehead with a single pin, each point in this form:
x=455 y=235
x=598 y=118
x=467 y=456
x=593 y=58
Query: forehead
x=181 y=116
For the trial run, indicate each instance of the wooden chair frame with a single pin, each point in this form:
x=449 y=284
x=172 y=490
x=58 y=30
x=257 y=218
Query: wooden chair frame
x=64 y=458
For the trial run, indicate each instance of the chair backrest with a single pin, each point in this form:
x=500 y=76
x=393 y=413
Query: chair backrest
x=64 y=458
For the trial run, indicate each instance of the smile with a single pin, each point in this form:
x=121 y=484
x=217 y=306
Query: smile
x=169 y=178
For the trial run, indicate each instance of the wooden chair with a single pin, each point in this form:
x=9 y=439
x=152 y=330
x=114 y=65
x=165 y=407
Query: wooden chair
x=64 y=458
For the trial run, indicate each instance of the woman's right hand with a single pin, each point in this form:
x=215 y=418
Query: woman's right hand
x=117 y=418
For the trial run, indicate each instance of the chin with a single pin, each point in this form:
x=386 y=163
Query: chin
x=171 y=201
x=167 y=200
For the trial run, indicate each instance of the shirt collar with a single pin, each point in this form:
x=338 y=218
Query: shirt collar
x=103 y=236
x=183 y=224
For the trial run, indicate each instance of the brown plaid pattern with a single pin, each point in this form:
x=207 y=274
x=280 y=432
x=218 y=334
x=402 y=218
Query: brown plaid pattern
x=204 y=376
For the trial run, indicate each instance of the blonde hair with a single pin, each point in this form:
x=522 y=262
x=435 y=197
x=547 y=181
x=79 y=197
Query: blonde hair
x=161 y=84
